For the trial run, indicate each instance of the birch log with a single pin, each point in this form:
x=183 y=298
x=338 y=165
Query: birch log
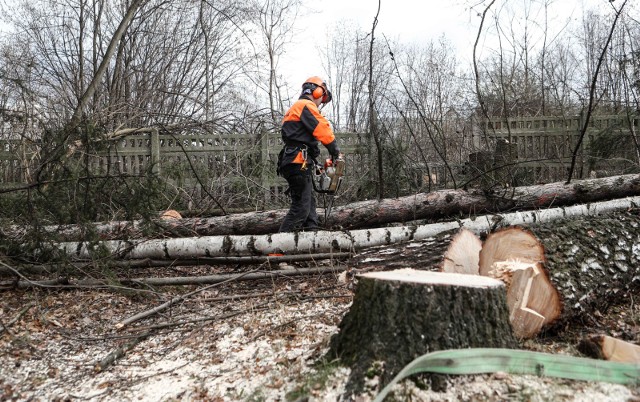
x=322 y=241
x=367 y=214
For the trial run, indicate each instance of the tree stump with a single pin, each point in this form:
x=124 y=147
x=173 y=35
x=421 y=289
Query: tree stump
x=399 y=315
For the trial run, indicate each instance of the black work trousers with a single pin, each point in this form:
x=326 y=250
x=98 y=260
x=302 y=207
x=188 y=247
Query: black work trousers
x=302 y=213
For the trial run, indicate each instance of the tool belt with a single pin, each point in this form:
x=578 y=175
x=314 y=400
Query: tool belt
x=291 y=150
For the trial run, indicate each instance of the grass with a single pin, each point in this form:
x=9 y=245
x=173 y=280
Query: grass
x=323 y=371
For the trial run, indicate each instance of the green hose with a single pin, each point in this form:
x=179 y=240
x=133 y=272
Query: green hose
x=481 y=360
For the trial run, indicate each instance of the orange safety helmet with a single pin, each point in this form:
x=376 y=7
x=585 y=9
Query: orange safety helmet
x=317 y=88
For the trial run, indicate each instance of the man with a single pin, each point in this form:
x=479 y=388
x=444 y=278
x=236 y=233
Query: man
x=303 y=128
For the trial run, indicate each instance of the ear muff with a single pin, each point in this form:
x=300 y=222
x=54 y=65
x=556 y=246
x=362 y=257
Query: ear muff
x=318 y=92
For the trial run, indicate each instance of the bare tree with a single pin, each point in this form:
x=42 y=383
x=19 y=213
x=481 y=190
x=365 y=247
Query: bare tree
x=345 y=63
x=592 y=91
x=276 y=20
x=373 y=127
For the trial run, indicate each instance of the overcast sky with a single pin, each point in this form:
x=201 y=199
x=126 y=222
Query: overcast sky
x=404 y=20
x=413 y=21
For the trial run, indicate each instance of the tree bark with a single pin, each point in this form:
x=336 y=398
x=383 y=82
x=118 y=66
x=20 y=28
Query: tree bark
x=593 y=262
x=428 y=207
x=399 y=315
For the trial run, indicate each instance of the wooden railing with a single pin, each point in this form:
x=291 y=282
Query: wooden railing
x=541 y=147
x=186 y=159
x=545 y=145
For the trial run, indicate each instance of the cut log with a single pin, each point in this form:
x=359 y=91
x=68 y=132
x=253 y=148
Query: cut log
x=609 y=348
x=321 y=241
x=514 y=256
x=373 y=213
x=533 y=301
x=399 y=315
x=170 y=214
x=463 y=255
x=593 y=262
x=510 y=244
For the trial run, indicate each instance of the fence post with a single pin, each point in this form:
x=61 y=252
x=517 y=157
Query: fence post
x=155 y=152
x=264 y=162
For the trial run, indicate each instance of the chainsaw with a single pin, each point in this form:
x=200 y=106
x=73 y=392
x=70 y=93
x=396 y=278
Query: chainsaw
x=327 y=180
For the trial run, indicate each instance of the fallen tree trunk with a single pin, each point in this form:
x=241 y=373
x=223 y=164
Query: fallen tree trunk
x=516 y=257
x=593 y=262
x=321 y=241
x=373 y=213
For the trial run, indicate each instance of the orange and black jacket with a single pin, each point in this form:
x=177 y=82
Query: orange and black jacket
x=303 y=125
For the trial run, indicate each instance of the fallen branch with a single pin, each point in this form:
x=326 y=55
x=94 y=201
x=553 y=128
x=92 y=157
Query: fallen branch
x=255 y=259
x=169 y=303
x=120 y=351
x=151 y=263
x=26 y=270
x=253 y=309
x=5 y=327
x=68 y=283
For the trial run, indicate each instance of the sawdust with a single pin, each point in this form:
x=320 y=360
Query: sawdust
x=269 y=351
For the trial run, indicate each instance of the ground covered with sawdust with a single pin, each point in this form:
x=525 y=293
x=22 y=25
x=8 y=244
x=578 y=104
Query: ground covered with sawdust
x=237 y=341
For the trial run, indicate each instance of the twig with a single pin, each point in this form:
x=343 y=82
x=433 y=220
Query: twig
x=5 y=327
x=241 y=297
x=266 y=294
x=88 y=397
x=173 y=301
x=261 y=307
x=120 y=351
x=266 y=331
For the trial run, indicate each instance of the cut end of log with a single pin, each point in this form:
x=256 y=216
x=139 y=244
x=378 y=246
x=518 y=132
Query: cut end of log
x=510 y=244
x=609 y=348
x=515 y=256
x=532 y=299
x=171 y=214
x=463 y=255
x=435 y=278
x=503 y=270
